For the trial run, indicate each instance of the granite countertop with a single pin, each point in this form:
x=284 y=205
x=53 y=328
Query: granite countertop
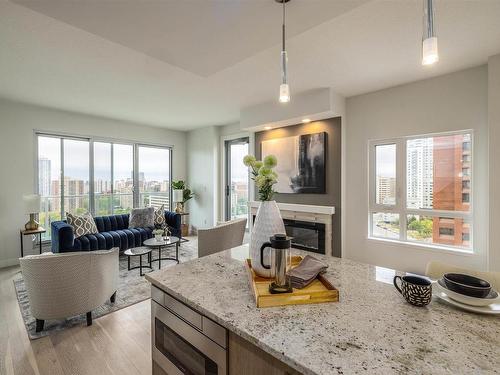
x=371 y=330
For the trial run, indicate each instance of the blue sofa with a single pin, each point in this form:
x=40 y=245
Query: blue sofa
x=113 y=232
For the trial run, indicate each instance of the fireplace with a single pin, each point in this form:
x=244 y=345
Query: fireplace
x=306 y=235
x=310 y=226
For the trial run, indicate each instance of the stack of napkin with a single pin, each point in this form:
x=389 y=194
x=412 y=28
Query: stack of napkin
x=302 y=275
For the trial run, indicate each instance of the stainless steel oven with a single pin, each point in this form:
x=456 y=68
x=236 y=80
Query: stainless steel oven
x=184 y=341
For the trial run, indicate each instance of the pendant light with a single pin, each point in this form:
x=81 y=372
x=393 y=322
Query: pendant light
x=429 y=39
x=284 y=88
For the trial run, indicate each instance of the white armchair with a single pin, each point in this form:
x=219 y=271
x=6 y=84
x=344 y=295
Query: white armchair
x=64 y=285
x=222 y=237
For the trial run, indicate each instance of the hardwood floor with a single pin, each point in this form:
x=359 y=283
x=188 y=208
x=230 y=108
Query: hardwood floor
x=118 y=343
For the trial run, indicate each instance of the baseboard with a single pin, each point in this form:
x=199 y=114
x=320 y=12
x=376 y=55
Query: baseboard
x=9 y=262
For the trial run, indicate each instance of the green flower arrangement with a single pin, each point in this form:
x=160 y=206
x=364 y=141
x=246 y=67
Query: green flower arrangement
x=263 y=174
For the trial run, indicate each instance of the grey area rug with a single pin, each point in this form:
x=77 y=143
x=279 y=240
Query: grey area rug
x=132 y=289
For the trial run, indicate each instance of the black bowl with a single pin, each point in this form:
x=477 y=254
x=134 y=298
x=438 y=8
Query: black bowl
x=468 y=285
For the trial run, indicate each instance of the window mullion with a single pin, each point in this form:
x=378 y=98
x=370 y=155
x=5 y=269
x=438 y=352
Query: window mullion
x=136 y=176
x=91 y=178
x=61 y=143
x=440 y=213
x=112 y=166
x=401 y=183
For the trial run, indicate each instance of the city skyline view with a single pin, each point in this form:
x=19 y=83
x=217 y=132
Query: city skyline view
x=113 y=182
x=437 y=175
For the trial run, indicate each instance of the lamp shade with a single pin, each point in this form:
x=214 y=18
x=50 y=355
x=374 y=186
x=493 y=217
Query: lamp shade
x=31 y=203
x=178 y=195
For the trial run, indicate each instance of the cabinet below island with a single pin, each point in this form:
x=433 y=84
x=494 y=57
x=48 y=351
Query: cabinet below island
x=184 y=341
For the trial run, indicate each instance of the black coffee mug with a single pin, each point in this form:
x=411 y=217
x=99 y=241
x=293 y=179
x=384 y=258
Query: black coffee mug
x=416 y=290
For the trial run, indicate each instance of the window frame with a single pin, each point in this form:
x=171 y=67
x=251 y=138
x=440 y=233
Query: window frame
x=112 y=144
x=93 y=139
x=400 y=207
x=136 y=190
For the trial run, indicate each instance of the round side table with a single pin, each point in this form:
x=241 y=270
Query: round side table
x=139 y=251
x=160 y=245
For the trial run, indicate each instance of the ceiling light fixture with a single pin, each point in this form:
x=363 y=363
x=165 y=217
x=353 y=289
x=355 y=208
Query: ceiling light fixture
x=306 y=120
x=284 y=88
x=267 y=127
x=429 y=39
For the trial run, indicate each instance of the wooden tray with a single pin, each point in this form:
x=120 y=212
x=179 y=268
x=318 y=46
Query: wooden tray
x=319 y=291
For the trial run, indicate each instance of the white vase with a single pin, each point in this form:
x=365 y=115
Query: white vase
x=268 y=222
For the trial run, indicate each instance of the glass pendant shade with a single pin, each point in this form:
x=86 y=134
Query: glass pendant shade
x=430 y=51
x=284 y=93
x=284 y=88
x=429 y=40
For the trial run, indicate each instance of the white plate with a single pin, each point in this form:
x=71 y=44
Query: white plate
x=493 y=297
x=490 y=309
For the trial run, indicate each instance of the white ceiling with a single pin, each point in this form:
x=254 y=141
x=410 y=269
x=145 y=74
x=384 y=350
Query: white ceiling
x=191 y=63
x=202 y=37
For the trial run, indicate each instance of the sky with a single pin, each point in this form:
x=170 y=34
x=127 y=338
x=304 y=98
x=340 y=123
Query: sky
x=153 y=162
x=386 y=160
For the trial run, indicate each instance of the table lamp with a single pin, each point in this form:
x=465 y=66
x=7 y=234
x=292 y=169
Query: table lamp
x=31 y=207
x=178 y=198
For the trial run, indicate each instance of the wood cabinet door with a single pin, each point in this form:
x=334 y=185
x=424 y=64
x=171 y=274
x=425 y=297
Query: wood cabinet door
x=246 y=359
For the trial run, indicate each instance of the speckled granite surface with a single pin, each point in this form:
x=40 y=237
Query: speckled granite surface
x=372 y=330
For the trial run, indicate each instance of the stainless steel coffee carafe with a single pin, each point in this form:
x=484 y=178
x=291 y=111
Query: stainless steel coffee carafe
x=281 y=261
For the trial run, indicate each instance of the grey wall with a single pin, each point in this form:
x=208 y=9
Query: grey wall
x=494 y=158
x=333 y=168
x=457 y=101
x=202 y=161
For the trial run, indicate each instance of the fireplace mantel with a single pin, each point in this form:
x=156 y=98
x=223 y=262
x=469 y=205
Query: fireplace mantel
x=325 y=210
x=306 y=213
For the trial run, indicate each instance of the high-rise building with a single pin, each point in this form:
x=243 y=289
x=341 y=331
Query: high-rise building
x=44 y=176
x=452 y=168
x=419 y=173
x=74 y=189
x=386 y=190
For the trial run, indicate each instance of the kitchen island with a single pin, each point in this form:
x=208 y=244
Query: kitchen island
x=370 y=330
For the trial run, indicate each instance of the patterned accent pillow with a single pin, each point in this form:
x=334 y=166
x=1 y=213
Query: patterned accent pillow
x=142 y=217
x=82 y=224
x=160 y=216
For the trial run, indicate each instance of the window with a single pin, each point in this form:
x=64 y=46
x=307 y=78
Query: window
x=81 y=175
x=154 y=176
x=446 y=231
x=113 y=178
x=63 y=178
x=385 y=165
x=420 y=190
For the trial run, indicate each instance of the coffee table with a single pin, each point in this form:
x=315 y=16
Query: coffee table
x=160 y=245
x=138 y=251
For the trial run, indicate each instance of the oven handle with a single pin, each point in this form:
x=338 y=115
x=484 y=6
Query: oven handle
x=192 y=336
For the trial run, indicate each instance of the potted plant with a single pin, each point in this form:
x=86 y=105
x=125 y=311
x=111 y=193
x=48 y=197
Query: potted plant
x=181 y=194
x=158 y=233
x=268 y=220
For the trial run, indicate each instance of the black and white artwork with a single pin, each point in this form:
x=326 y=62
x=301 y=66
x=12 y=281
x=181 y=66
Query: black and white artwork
x=301 y=163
